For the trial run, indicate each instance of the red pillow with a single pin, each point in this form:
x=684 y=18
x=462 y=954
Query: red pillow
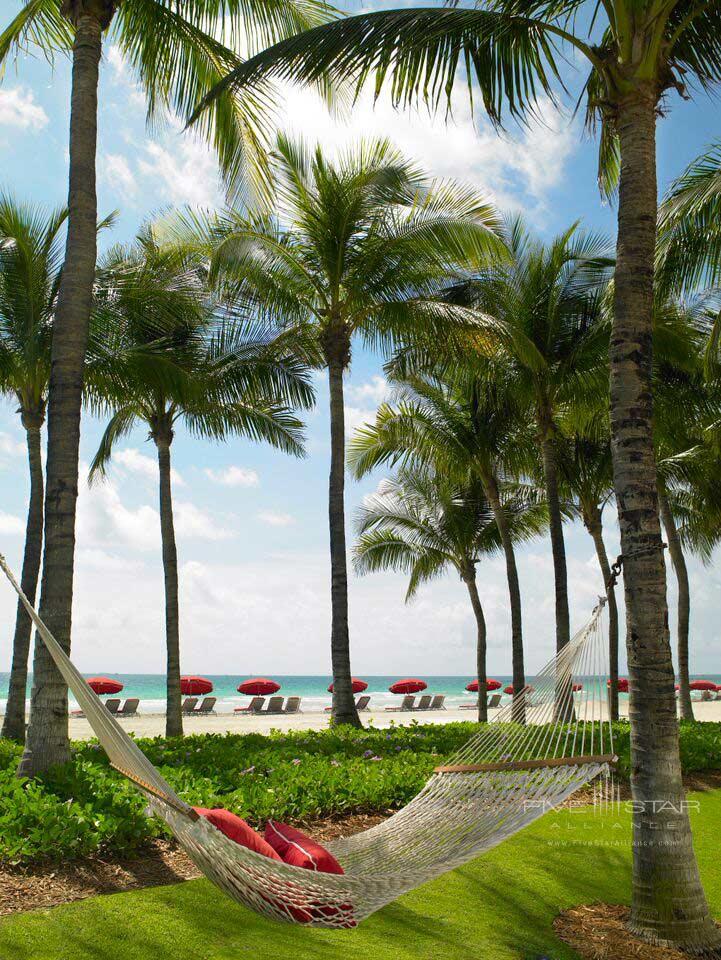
x=299 y=850
x=238 y=830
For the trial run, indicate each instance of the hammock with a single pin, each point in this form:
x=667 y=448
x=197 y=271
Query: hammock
x=503 y=779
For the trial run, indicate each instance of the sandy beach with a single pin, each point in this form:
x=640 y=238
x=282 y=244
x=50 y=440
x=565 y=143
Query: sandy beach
x=153 y=724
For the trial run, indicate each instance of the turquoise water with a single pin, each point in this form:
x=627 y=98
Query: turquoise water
x=150 y=689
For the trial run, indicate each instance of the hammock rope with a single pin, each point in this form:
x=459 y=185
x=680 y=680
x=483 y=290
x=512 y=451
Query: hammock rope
x=501 y=780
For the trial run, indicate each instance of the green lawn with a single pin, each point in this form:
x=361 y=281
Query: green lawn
x=500 y=907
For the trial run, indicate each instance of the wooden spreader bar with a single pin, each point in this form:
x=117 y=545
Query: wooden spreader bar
x=180 y=807
x=609 y=758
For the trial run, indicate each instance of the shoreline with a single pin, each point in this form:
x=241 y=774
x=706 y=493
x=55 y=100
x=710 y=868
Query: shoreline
x=153 y=724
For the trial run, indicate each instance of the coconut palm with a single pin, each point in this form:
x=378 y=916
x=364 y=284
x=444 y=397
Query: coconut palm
x=170 y=358
x=687 y=406
x=424 y=523
x=176 y=52
x=544 y=308
x=466 y=423
x=358 y=247
x=636 y=55
x=30 y=260
x=587 y=472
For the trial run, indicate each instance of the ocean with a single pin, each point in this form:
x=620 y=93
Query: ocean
x=150 y=689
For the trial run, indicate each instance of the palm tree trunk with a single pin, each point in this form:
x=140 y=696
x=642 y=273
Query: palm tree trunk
x=668 y=902
x=470 y=579
x=14 y=724
x=558 y=547
x=594 y=525
x=344 y=708
x=173 y=717
x=47 y=740
x=514 y=596
x=684 y=603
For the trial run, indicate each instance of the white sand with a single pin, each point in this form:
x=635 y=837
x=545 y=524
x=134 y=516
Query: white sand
x=153 y=725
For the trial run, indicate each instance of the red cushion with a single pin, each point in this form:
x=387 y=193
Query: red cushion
x=238 y=830
x=299 y=850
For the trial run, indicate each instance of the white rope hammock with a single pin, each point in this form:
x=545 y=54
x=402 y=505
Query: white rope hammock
x=504 y=778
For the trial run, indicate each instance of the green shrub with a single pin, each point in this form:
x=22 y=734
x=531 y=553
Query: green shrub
x=86 y=808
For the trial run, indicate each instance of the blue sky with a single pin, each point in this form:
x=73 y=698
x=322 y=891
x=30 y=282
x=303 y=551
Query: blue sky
x=252 y=525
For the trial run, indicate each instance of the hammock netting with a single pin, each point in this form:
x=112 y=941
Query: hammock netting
x=550 y=741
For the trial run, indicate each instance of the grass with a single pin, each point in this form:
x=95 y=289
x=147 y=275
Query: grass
x=500 y=907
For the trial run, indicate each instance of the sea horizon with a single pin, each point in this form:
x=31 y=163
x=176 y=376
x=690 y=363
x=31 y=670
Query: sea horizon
x=149 y=688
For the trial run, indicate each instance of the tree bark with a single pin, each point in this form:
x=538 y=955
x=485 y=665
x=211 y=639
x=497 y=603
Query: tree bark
x=173 y=716
x=514 y=595
x=558 y=547
x=344 y=708
x=470 y=580
x=684 y=603
x=47 y=740
x=594 y=525
x=14 y=723
x=668 y=902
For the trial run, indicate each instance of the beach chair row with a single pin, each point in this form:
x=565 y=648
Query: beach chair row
x=276 y=705
x=493 y=700
x=426 y=702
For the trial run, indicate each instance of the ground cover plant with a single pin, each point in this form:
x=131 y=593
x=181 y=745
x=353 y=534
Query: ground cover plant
x=85 y=808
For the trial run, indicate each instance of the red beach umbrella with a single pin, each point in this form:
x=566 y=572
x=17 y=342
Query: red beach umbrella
x=508 y=690
x=577 y=687
x=192 y=686
x=258 y=687
x=105 y=685
x=472 y=687
x=702 y=685
x=622 y=684
x=357 y=685
x=409 y=685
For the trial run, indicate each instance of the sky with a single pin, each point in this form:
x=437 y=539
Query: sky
x=252 y=523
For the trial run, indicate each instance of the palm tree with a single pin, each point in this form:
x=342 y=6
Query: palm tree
x=176 y=52
x=636 y=55
x=544 y=307
x=423 y=523
x=465 y=422
x=170 y=357
x=587 y=471
x=357 y=247
x=30 y=259
x=686 y=408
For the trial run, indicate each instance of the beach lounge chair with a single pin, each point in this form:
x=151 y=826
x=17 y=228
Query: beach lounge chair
x=494 y=701
x=275 y=705
x=129 y=708
x=425 y=702
x=207 y=706
x=361 y=703
x=112 y=706
x=255 y=706
x=408 y=704
x=292 y=705
x=438 y=702
x=189 y=704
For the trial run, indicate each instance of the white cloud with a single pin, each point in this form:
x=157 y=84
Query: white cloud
x=375 y=390
x=233 y=476
x=115 y=170
x=115 y=59
x=274 y=519
x=134 y=461
x=192 y=522
x=10 y=447
x=524 y=163
x=10 y=525
x=18 y=109
x=184 y=171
